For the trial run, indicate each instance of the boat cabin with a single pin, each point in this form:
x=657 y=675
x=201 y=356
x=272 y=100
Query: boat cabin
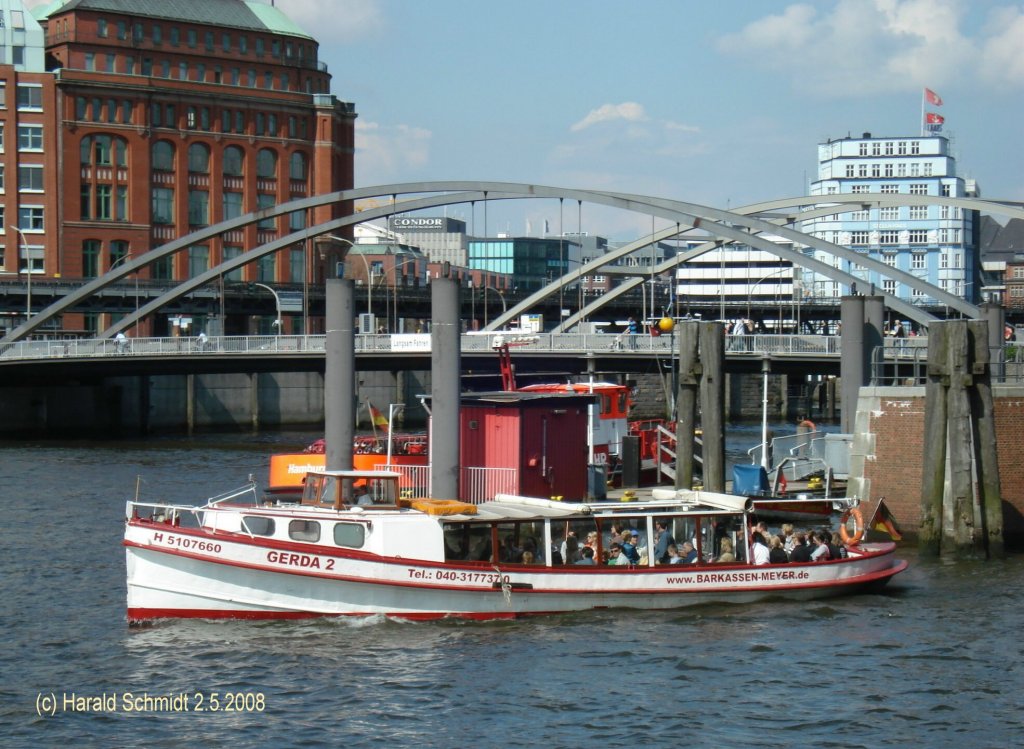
x=343 y=489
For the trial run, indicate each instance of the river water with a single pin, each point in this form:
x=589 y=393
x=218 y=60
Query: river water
x=934 y=660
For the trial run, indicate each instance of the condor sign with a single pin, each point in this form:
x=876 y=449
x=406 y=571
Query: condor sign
x=413 y=223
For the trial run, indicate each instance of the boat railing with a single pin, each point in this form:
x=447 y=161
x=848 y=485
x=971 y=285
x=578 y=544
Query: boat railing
x=481 y=484
x=414 y=481
x=161 y=512
x=249 y=488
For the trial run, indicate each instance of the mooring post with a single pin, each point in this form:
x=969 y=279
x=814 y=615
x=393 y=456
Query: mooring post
x=960 y=480
x=983 y=410
x=933 y=469
x=686 y=401
x=712 y=403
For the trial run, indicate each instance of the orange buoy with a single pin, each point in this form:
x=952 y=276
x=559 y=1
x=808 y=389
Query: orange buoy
x=858 y=527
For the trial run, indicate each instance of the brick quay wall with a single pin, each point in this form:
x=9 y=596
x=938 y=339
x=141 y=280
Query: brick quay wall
x=888 y=453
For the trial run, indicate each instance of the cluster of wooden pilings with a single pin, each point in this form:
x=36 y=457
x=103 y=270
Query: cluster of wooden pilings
x=701 y=384
x=961 y=501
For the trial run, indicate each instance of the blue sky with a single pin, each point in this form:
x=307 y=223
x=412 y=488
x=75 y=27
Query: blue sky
x=721 y=103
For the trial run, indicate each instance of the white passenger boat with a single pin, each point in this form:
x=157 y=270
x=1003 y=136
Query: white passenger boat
x=336 y=553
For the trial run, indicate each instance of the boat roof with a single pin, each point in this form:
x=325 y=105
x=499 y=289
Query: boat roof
x=357 y=474
x=511 y=507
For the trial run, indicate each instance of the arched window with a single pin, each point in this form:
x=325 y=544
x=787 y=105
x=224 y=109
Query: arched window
x=163 y=156
x=234 y=161
x=297 y=169
x=266 y=163
x=198 y=158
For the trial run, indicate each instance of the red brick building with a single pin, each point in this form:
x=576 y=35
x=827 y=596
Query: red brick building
x=157 y=122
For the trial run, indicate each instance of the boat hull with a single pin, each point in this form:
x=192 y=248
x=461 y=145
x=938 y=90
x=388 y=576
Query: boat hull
x=178 y=573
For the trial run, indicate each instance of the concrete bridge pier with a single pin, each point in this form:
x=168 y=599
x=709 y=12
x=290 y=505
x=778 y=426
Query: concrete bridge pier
x=340 y=375
x=445 y=389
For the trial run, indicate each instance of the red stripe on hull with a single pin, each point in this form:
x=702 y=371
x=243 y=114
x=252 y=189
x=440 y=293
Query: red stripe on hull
x=140 y=616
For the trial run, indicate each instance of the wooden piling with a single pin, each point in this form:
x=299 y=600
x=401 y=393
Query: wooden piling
x=961 y=503
x=983 y=408
x=686 y=401
x=933 y=472
x=712 y=403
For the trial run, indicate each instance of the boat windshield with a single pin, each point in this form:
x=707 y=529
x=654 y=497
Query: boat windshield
x=346 y=489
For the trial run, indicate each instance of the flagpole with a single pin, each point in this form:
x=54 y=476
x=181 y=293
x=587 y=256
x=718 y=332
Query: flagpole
x=922 y=112
x=373 y=424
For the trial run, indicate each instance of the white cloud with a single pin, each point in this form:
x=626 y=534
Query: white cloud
x=337 y=21
x=864 y=47
x=388 y=153
x=1002 y=59
x=629 y=111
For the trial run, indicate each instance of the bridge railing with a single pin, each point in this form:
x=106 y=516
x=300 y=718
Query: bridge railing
x=752 y=345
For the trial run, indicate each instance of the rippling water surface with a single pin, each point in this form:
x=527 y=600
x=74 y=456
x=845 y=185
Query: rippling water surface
x=933 y=661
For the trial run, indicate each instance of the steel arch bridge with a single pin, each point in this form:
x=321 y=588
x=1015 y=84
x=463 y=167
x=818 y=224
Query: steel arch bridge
x=747 y=225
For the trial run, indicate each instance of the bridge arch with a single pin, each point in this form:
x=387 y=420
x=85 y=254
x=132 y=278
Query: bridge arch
x=720 y=223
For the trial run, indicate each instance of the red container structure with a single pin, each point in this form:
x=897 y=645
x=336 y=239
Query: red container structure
x=543 y=436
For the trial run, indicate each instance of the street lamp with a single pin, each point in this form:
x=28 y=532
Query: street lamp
x=277 y=304
x=28 y=268
x=750 y=294
x=501 y=296
x=766 y=368
x=121 y=261
x=394 y=284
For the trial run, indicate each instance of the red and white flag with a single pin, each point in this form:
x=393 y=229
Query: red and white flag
x=932 y=98
x=934 y=119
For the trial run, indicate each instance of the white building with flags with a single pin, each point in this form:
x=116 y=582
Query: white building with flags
x=935 y=243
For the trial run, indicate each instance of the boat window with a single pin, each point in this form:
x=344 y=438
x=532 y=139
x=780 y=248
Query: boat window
x=569 y=537
x=623 y=404
x=304 y=530
x=257 y=525
x=517 y=539
x=467 y=542
x=352 y=535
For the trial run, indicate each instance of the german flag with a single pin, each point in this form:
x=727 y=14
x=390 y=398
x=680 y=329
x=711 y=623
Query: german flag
x=884 y=521
x=380 y=421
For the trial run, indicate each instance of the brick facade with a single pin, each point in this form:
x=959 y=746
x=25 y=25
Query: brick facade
x=157 y=126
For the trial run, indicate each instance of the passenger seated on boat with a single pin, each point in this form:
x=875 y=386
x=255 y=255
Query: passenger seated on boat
x=759 y=549
x=615 y=555
x=591 y=542
x=629 y=549
x=509 y=551
x=586 y=556
x=801 y=551
x=530 y=545
x=688 y=553
x=776 y=552
x=787 y=537
x=821 y=552
x=836 y=547
x=673 y=555
x=725 y=554
x=527 y=557
x=570 y=550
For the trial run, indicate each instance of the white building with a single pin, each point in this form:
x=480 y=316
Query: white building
x=934 y=243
